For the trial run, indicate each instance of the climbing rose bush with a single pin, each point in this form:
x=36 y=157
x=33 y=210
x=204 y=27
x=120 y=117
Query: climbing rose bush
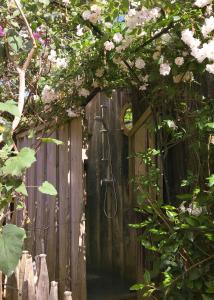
x=56 y=55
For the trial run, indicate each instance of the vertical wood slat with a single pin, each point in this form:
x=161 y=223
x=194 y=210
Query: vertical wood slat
x=54 y=290
x=109 y=112
x=21 y=272
x=28 y=283
x=51 y=211
x=63 y=209
x=42 y=289
x=93 y=239
x=67 y=295
x=31 y=200
x=11 y=290
x=78 y=272
x=97 y=207
x=141 y=138
x=116 y=157
x=39 y=221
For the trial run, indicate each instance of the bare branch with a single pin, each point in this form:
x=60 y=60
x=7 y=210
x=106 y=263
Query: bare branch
x=21 y=100
x=29 y=58
x=26 y=21
x=22 y=70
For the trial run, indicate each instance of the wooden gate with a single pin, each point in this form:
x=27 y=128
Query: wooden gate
x=56 y=225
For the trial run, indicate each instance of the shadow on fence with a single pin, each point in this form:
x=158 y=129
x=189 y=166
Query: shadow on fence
x=30 y=281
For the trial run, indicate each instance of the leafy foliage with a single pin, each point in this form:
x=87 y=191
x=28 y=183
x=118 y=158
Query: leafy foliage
x=162 y=51
x=16 y=165
x=11 y=240
x=47 y=188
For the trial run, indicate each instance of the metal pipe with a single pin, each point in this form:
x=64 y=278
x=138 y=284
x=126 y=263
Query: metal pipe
x=103 y=132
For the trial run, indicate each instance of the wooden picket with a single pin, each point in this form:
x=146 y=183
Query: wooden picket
x=27 y=285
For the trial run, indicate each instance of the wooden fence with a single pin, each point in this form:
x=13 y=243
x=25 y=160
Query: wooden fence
x=31 y=281
x=55 y=225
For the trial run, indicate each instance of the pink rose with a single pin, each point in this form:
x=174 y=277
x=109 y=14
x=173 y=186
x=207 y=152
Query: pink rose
x=1 y=31
x=39 y=38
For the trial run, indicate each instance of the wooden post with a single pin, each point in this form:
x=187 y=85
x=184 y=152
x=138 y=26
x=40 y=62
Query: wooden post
x=21 y=273
x=54 y=290
x=67 y=295
x=42 y=290
x=28 y=288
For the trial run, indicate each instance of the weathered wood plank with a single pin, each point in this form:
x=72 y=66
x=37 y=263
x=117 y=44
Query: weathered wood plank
x=21 y=272
x=63 y=211
x=54 y=290
x=78 y=272
x=30 y=183
x=39 y=220
x=68 y=295
x=42 y=289
x=51 y=211
x=28 y=288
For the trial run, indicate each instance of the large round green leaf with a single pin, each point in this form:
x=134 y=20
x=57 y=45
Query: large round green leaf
x=11 y=242
x=16 y=165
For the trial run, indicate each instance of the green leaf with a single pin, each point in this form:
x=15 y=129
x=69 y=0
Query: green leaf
x=16 y=165
x=191 y=221
x=149 y=292
x=210 y=125
x=22 y=189
x=50 y=140
x=146 y=276
x=11 y=107
x=147 y=244
x=137 y=287
x=11 y=242
x=31 y=133
x=211 y=180
x=48 y=188
x=176 y=18
x=168 y=278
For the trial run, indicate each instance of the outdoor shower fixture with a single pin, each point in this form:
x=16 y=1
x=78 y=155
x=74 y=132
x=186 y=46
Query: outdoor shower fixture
x=107 y=182
x=103 y=131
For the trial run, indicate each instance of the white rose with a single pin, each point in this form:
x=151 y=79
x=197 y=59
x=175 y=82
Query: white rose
x=109 y=45
x=140 y=63
x=165 y=69
x=143 y=87
x=66 y=2
x=210 y=68
x=52 y=56
x=86 y=15
x=117 y=38
x=79 y=30
x=61 y=62
x=202 y=3
x=95 y=8
x=179 y=61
